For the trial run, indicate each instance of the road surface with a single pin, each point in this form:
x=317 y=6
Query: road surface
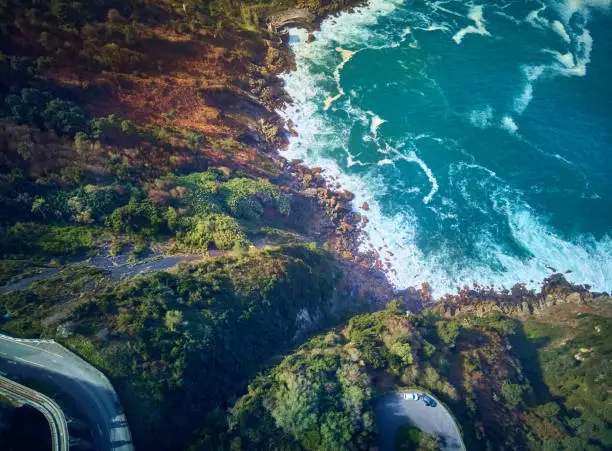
x=22 y=395
x=52 y=364
x=392 y=412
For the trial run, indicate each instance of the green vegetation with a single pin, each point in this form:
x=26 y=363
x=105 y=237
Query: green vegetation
x=318 y=398
x=478 y=365
x=189 y=340
x=410 y=438
x=149 y=124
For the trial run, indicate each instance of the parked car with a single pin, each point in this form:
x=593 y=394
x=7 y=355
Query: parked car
x=429 y=401
x=411 y=396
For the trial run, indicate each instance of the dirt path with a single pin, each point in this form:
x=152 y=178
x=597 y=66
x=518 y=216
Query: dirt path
x=118 y=268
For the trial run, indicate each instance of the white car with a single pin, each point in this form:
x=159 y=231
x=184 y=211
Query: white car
x=411 y=396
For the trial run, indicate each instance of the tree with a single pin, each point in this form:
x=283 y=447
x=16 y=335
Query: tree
x=395 y=306
x=513 y=394
x=403 y=351
x=448 y=331
x=172 y=319
x=39 y=206
x=64 y=117
x=82 y=142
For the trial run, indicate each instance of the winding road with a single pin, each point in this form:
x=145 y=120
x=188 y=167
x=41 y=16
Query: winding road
x=393 y=412
x=50 y=363
x=22 y=395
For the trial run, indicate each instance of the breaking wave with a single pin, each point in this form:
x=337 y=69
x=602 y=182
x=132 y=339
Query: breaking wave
x=441 y=210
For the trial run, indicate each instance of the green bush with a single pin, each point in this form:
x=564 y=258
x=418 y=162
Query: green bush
x=410 y=438
x=34 y=107
x=137 y=217
x=68 y=240
x=246 y=198
x=221 y=230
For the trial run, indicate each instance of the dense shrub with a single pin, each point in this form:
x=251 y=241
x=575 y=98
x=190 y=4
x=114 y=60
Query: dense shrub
x=221 y=230
x=247 y=198
x=68 y=240
x=41 y=109
x=137 y=217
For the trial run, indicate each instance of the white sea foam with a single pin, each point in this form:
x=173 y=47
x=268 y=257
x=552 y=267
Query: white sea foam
x=573 y=64
x=587 y=259
x=562 y=158
x=582 y=56
x=434 y=27
x=437 y=6
x=534 y=17
x=509 y=124
x=531 y=73
x=399 y=232
x=568 y=8
x=346 y=57
x=481 y=118
x=560 y=29
x=507 y=16
x=479 y=28
x=376 y=122
x=567 y=59
x=413 y=158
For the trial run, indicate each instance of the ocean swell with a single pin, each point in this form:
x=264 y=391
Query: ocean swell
x=422 y=241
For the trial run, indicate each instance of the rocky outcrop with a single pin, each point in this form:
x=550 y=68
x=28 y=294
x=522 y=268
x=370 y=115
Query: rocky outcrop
x=517 y=303
x=293 y=16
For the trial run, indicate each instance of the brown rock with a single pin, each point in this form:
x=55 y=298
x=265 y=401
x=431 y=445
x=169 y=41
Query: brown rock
x=348 y=195
x=365 y=206
x=345 y=227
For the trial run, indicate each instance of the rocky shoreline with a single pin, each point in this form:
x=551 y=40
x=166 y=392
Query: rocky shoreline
x=339 y=223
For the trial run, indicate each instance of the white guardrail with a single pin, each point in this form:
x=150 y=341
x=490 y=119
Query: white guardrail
x=102 y=377
x=60 y=439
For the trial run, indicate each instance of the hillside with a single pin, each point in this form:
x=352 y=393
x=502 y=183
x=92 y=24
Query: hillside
x=141 y=131
x=137 y=133
x=513 y=379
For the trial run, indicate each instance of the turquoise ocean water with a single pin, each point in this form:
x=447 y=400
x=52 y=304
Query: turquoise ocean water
x=479 y=134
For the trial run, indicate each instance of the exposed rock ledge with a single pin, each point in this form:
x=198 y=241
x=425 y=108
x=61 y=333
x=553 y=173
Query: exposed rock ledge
x=519 y=302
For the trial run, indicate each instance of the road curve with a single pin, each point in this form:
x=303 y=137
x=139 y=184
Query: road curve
x=393 y=411
x=20 y=394
x=52 y=364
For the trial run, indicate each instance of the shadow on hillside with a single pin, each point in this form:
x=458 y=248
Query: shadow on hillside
x=526 y=351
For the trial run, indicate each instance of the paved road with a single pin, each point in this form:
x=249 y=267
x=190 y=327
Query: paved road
x=392 y=412
x=20 y=394
x=51 y=363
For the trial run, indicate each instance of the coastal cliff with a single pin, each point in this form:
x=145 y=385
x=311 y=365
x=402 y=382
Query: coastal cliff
x=150 y=223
